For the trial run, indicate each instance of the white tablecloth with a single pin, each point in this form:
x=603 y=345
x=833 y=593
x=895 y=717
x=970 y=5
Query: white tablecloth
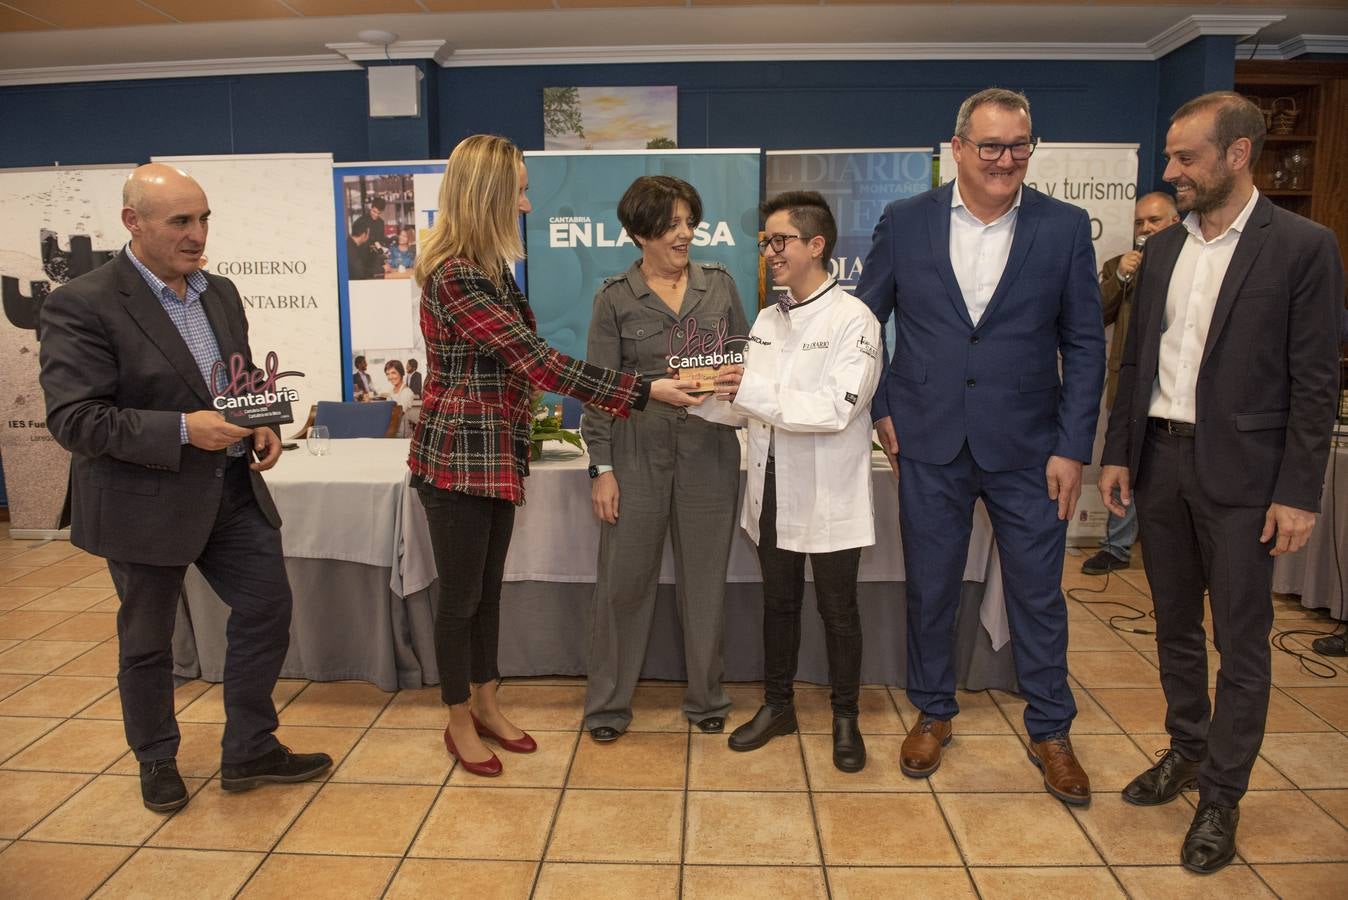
x=339 y=506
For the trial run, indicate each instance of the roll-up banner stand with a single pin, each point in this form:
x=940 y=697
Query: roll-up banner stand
x=55 y=224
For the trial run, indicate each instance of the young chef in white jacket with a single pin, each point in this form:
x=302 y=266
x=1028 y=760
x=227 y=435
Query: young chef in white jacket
x=811 y=366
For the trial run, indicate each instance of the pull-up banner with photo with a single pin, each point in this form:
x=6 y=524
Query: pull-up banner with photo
x=270 y=220
x=55 y=224
x=575 y=240
x=1101 y=179
x=384 y=211
x=857 y=184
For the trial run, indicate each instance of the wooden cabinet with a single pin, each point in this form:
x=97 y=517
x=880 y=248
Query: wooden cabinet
x=1304 y=165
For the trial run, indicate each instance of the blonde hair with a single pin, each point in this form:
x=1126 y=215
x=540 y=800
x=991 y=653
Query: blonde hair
x=479 y=209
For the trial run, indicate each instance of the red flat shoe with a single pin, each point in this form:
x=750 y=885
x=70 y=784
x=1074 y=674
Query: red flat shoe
x=489 y=768
x=525 y=744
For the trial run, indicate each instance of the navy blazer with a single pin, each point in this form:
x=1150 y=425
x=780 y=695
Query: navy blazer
x=117 y=376
x=994 y=385
x=1268 y=379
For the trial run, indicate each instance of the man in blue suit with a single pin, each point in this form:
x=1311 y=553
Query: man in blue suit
x=990 y=283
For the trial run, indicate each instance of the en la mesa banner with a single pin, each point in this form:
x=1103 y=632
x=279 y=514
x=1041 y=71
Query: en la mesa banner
x=1102 y=179
x=858 y=184
x=55 y=224
x=575 y=241
x=270 y=221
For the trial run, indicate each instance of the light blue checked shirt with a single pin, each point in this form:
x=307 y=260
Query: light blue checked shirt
x=189 y=317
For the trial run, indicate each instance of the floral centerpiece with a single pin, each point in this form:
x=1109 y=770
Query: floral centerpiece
x=546 y=425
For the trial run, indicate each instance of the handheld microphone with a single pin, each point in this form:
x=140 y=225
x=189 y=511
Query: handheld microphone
x=1139 y=241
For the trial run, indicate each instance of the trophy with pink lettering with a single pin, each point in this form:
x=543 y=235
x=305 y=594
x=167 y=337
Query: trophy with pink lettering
x=696 y=354
x=251 y=397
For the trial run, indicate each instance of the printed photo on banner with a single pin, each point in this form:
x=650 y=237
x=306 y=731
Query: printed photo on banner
x=575 y=241
x=611 y=118
x=383 y=214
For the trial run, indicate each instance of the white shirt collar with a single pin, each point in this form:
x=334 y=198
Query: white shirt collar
x=956 y=201
x=1191 y=221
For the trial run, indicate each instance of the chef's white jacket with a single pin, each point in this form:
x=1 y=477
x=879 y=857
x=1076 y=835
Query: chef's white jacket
x=808 y=379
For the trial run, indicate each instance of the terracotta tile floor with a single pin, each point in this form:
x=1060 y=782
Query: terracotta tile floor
x=665 y=812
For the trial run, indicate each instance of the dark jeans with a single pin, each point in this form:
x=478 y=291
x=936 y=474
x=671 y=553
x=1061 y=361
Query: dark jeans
x=835 y=588
x=242 y=562
x=469 y=537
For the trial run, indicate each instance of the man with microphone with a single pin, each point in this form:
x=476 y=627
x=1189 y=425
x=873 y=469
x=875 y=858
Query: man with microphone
x=1153 y=212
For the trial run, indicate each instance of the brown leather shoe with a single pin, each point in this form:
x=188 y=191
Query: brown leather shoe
x=921 y=751
x=1063 y=776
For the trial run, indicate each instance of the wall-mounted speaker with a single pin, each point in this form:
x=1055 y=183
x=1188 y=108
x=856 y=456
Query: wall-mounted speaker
x=394 y=91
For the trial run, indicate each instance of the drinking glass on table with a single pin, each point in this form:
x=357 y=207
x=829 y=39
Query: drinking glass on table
x=317 y=442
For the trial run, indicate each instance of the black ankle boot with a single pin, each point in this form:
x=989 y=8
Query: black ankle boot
x=763 y=727
x=849 y=750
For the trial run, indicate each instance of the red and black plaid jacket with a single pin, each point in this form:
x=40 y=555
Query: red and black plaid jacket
x=484 y=357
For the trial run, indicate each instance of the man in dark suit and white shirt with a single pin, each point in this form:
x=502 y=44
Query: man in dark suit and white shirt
x=160 y=480
x=1220 y=433
x=990 y=282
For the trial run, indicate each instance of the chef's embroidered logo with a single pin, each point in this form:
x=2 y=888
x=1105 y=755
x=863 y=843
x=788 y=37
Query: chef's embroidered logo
x=850 y=398
x=814 y=345
x=867 y=347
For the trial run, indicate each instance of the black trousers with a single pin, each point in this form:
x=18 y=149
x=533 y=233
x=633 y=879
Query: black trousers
x=242 y=561
x=469 y=537
x=835 y=588
x=1192 y=543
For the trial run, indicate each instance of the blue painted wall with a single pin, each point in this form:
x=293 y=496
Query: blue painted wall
x=771 y=105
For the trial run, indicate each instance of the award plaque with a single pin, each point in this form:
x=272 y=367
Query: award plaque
x=251 y=397
x=696 y=354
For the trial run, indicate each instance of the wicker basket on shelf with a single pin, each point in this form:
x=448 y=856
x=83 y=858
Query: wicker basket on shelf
x=1283 y=116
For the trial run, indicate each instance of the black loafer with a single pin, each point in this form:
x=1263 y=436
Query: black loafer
x=161 y=787
x=1103 y=563
x=280 y=766
x=1163 y=782
x=766 y=724
x=604 y=734
x=1211 y=841
x=849 y=749
x=712 y=725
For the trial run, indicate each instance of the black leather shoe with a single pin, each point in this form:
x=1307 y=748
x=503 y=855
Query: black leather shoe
x=604 y=734
x=712 y=725
x=763 y=727
x=1211 y=841
x=1103 y=563
x=1163 y=781
x=279 y=766
x=161 y=787
x=849 y=750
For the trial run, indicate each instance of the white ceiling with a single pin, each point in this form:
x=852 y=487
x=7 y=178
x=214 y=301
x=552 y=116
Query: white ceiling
x=716 y=33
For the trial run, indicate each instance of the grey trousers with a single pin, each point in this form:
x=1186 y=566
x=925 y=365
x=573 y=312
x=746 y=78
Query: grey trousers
x=677 y=474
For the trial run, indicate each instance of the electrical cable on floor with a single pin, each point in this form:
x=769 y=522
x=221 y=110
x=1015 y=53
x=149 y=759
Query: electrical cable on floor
x=1306 y=660
x=1113 y=621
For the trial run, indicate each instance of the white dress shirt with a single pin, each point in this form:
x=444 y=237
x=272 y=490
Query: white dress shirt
x=1194 y=284
x=978 y=251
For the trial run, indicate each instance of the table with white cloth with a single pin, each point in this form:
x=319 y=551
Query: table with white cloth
x=1318 y=572
x=360 y=564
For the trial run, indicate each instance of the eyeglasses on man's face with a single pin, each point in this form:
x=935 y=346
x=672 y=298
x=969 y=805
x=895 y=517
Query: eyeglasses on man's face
x=776 y=241
x=990 y=151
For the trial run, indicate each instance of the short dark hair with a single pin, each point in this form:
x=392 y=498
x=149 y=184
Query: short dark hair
x=1237 y=117
x=648 y=204
x=358 y=360
x=412 y=365
x=377 y=202
x=397 y=366
x=810 y=215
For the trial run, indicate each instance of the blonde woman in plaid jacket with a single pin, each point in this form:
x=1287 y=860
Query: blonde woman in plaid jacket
x=470 y=451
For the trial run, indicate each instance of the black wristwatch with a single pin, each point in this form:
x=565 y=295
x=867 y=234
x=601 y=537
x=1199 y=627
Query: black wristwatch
x=594 y=471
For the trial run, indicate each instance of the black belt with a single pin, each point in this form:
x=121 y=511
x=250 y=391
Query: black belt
x=1172 y=427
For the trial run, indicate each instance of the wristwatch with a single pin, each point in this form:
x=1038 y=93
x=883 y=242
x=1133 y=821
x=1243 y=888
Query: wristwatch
x=594 y=471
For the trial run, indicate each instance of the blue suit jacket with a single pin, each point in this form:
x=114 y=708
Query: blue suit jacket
x=995 y=385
